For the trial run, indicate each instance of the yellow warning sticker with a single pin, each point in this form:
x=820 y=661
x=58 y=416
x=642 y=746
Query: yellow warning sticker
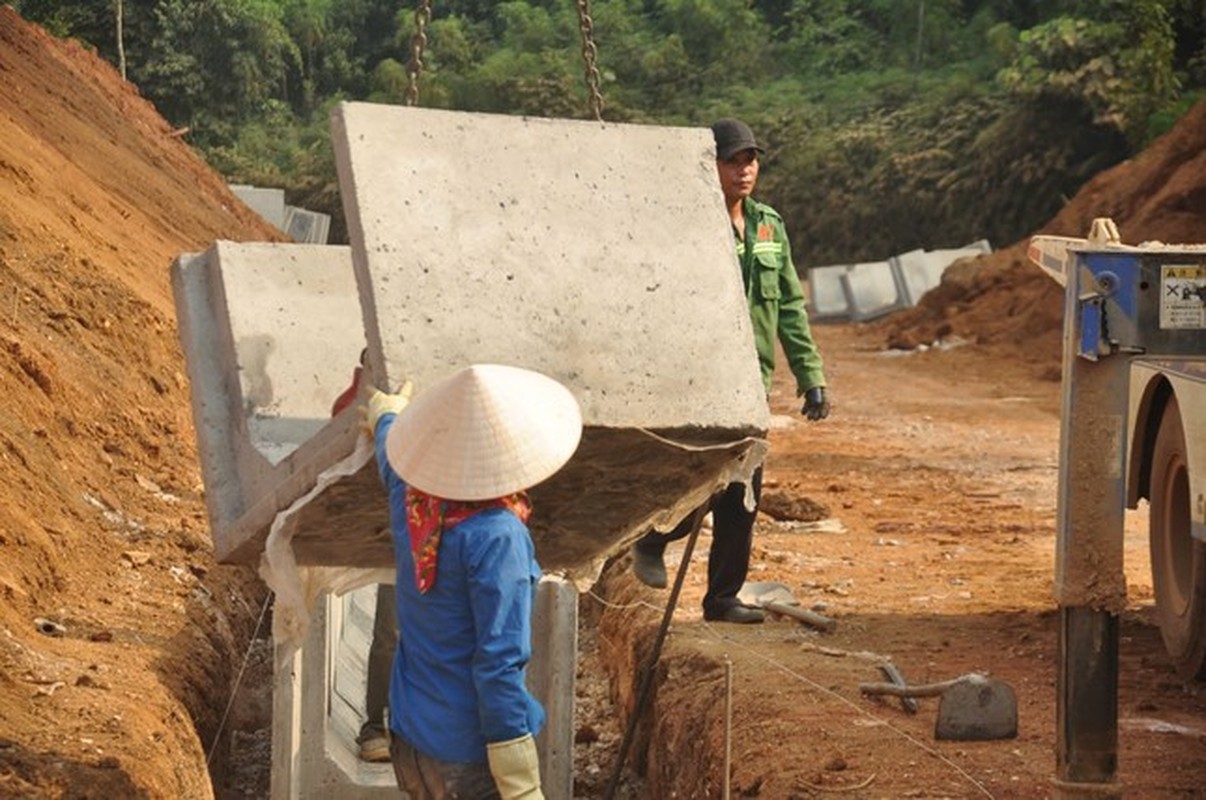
x=1183 y=296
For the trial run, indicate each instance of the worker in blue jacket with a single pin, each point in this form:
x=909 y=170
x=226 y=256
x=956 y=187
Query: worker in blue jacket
x=456 y=463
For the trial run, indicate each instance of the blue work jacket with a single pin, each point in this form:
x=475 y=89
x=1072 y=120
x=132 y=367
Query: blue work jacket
x=464 y=645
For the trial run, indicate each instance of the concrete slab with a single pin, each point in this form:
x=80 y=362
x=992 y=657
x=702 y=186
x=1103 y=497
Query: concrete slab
x=268 y=203
x=868 y=290
x=827 y=300
x=872 y=290
x=308 y=227
x=599 y=254
x=271 y=333
x=921 y=270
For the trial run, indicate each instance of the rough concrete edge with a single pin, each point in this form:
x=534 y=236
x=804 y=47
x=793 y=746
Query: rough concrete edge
x=374 y=361
x=208 y=344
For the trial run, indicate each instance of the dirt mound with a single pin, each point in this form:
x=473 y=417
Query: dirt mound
x=1003 y=302
x=117 y=626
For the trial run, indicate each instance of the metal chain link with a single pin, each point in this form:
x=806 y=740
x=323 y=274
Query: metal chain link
x=590 y=54
x=417 y=43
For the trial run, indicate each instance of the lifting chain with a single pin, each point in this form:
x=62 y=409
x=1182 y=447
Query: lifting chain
x=417 y=43
x=589 y=54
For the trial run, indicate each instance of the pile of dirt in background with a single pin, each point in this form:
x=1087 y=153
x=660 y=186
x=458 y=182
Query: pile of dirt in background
x=1007 y=305
x=119 y=636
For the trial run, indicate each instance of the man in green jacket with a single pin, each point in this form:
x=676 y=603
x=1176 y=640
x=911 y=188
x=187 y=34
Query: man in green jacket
x=777 y=311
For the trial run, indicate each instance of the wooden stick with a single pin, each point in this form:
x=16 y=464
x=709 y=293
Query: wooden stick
x=925 y=690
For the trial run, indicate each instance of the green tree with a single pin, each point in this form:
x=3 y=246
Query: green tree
x=1118 y=63
x=215 y=63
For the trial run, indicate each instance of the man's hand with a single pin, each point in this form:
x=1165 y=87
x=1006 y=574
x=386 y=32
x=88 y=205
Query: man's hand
x=816 y=404
x=380 y=403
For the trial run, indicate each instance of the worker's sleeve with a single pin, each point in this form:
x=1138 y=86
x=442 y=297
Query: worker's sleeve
x=803 y=357
x=384 y=470
x=501 y=590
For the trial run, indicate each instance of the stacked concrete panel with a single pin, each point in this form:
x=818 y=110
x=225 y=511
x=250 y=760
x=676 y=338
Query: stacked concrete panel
x=307 y=227
x=868 y=290
x=268 y=203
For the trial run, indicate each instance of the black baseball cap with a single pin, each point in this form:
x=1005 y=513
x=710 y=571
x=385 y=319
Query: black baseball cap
x=733 y=136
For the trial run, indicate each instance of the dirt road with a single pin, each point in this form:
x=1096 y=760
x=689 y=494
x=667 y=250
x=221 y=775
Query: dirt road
x=939 y=470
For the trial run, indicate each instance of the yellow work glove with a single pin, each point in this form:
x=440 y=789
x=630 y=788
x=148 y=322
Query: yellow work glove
x=515 y=768
x=380 y=403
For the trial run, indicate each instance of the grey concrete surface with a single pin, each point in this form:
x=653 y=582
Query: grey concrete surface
x=827 y=299
x=599 y=254
x=872 y=289
x=868 y=290
x=271 y=333
x=921 y=270
x=268 y=203
x=307 y=227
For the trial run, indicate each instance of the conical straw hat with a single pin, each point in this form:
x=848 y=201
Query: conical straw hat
x=486 y=431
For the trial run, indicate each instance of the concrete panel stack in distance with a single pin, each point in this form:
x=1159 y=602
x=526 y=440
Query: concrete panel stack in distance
x=300 y=224
x=866 y=291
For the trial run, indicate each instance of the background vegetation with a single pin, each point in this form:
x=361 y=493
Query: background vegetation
x=890 y=124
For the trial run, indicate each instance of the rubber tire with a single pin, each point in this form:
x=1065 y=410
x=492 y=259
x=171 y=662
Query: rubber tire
x=1178 y=561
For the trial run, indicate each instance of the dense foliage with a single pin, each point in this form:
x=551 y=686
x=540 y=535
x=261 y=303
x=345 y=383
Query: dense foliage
x=890 y=124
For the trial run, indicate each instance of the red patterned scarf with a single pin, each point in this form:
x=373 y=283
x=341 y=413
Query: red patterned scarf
x=428 y=516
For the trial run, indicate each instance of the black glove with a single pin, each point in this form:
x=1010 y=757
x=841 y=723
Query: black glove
x=816 y=404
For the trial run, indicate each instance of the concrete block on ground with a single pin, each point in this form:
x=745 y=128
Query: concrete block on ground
x=865 y=291
x=318 y=700
x=872 y=289
x=921 y=270
x=305 y=226
x=268 y=203
x=827 y=300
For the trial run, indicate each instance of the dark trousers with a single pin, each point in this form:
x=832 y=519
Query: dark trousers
x=380 y=662
x=425 y=778
x=732 y=538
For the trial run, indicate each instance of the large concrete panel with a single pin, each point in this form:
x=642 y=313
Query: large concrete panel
x=872 y=289
x=599 y=254
x=921 y=270
x=310 y=227
x=827 y=300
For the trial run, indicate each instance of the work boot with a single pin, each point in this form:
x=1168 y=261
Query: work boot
x=650 y=568
x=374 y=743
x=738 y=614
